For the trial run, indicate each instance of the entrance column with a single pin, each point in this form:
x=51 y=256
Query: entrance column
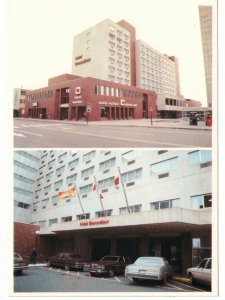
x=113 y=245
x=186 y=252
x=144 y=246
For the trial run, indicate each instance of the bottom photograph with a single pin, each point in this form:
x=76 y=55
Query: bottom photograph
x=113 y=221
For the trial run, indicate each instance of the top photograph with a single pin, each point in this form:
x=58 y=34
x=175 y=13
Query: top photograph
x=130 y=74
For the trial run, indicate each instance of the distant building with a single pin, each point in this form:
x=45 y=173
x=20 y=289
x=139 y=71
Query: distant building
x=19 y=99
x=205 y=15
x=26 y=167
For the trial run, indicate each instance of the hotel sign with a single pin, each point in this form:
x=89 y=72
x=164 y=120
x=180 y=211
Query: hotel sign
x=79 y=60
x=93 y=223
x=121 y=103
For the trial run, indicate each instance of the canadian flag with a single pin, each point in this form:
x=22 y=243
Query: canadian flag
x=116 y=182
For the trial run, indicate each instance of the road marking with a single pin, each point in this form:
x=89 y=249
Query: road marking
x=129 y=140
x=19 y=134
x=31 y=133
x=175 y=287
x=190 y=286
x=117 y=279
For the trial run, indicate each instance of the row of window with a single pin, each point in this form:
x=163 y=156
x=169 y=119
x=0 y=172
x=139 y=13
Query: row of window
x=116 y=92
x=40 y=95
x=197 y=202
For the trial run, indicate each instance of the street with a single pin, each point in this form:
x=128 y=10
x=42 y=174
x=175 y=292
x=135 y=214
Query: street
x=45 y=279
x=39 y=134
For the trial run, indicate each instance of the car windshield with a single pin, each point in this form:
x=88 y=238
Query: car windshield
x=148 y=261
x=110 y=258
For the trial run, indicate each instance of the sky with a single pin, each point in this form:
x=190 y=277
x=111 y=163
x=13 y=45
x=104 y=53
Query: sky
x=41 y=36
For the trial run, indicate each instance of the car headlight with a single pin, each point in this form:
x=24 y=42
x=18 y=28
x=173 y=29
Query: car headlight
x=101 y=267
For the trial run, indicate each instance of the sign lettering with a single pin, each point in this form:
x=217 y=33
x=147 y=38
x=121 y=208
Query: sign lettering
x=93 y=223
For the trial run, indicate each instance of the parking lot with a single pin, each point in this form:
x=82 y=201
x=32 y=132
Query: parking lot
x=51 y=280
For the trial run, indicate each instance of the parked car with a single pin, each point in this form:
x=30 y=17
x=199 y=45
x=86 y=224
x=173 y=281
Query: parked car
x=108 y=265
x=201 y=273
x=153 y=268
x=19 y=264
x=67 y=261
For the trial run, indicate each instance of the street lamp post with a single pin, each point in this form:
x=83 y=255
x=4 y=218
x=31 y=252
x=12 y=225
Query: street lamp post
x=151 y=110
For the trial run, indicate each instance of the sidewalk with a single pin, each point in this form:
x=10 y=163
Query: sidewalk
x=156 y=123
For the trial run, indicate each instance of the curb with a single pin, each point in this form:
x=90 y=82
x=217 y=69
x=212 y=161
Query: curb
x=182 y=279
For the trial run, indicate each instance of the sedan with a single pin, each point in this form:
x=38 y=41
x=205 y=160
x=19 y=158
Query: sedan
x=201 y=273
x=152 y=268
x=108 y=265
x=67 y=261
x=19 y=264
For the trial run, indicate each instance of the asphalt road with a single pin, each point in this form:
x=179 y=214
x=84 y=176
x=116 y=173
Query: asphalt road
x=56 y=134
x=43 y=279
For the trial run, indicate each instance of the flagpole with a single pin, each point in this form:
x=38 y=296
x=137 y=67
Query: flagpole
x=79 y=198
x=98 y=193
x=124 y=192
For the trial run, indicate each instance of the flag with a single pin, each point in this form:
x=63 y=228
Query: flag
x=70 y=193
x=94 y=187
x=116 y=182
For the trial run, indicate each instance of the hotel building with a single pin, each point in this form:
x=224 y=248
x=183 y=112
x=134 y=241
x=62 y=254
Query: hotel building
x=124 y=202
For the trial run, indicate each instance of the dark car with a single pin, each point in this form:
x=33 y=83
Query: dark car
x=19 y=264
x=67 y=261
x=108 y=265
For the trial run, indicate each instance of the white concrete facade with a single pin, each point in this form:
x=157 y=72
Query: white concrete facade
x=160 y=187
x=156 y=71
x=26 y=166
x=103 y=52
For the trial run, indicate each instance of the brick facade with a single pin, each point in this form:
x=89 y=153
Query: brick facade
x=70 y=97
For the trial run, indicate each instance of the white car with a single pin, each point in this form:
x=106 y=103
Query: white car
x=152 y=268
x=201 y=273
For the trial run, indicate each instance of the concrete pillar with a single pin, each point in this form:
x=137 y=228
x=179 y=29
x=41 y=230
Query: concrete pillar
x=113 y=245
x=186 y=252
x=144 y=248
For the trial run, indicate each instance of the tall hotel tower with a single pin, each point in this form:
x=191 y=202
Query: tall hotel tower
x=205 y=14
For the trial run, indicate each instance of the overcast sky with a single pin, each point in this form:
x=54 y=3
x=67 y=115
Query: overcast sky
x=41 y=36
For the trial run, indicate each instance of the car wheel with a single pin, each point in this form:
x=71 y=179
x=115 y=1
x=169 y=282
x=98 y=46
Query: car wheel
x=164 y=281
x=192 y=280
x=111 y=273
x=67 y=267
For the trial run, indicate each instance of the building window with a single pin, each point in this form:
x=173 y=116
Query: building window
x=71 y=179
x=87 y=172
x=172 y=203
x=58 y=184
x=55 y=200
x=22 y=205
x=47 y=189
x=73 y=164
x=86 y=189
x=35 y=205
x=89 y=156
x=130 y=209
x=106 y=183
x=132 y=175
x=199 y=156
x=201 y=201
x=37 y=193
x=45 y=202
x=53 y=221
x=83 y=216
x=107 y=164
x=49 y=176
x=62 y=157
x=164 y=166
x=59 y=171
x=103 y=213
x=42 y=223
x=66 y=219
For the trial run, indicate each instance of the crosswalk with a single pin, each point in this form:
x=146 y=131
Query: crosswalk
x=20 y=131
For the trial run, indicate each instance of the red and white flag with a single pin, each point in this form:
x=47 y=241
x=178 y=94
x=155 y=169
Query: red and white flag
x=116 y=182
